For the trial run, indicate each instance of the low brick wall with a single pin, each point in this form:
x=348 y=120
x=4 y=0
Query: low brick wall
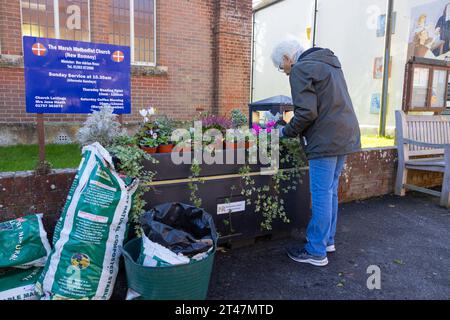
x=372 y=173
x=24 y=192
x=367 y=174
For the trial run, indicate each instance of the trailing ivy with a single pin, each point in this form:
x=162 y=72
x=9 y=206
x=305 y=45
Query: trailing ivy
x=129 y=160
x=193 y=184
x=268 y=199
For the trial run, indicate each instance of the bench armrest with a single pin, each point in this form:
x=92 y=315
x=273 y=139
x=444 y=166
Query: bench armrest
x=427 y=145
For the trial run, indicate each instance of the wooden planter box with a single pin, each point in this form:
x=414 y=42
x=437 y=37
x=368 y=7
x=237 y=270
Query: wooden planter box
x=171 y=185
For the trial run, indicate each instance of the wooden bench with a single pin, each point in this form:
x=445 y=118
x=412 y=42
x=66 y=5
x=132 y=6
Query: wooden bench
x=423 y=143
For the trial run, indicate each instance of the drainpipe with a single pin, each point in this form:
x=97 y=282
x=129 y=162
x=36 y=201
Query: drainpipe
x=215 y=56
x=387 y=56
x=315 y=24
x=252 y=59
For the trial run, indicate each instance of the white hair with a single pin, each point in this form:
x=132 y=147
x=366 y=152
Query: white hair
x=292 y=48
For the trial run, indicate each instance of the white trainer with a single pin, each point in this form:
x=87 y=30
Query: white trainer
x=330 y=248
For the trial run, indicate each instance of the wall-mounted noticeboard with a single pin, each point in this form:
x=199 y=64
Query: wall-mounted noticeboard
x=64 y=76
x=426 y=85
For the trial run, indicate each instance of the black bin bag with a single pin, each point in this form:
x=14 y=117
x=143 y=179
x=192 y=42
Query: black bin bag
x=181 y=228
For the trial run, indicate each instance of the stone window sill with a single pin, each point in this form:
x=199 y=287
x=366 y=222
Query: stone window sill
x=11 y=61
x=138 y=70
x=16 y=61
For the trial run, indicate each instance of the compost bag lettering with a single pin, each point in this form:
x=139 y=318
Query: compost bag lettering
x=89 y=235
x=16 y=284
x=23 y=243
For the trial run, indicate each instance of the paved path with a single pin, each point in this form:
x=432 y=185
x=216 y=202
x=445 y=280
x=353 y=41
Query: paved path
x=408 y=238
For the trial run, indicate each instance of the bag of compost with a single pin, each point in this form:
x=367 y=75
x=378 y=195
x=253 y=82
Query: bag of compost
x=16 y=284
x=89 y=235
x=23 y=243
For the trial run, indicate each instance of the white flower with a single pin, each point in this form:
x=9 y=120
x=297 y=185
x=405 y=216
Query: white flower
x=155 y=136
x=146 y=119
x=151 y=111
x=143 y=113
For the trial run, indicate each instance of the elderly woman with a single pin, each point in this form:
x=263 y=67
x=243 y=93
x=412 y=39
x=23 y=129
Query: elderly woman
x=326 y=122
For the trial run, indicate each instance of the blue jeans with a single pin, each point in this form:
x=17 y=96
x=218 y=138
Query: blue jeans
x=324 y=180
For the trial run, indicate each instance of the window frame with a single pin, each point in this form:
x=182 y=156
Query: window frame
x=56 y=25
x=132 y=49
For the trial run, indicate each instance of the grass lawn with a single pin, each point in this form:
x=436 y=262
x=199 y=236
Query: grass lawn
x=376 y=142
x=24 y=157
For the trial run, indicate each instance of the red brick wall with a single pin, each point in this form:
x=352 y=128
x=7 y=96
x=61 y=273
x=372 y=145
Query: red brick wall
x=233 y=32
x=207 y=52
x=372 y=173
x=10 y=27
x=23 y=193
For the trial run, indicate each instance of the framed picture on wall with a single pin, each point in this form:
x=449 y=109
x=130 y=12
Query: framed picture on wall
x=375 y=103
x=381 y=25
x=378 y=66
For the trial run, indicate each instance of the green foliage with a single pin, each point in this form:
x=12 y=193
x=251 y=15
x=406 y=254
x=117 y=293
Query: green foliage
x=238 y=118
x=193 y=184
x=268 y=199
x=125 y=139
x=101 y=126
x=130 y=161
x=149 y=142
x=228 y=222
x=153 y=134
x=163 y=139
x=165 y=128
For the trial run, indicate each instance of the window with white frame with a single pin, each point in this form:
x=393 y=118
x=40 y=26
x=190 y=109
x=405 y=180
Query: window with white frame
x=133 y=24
x=61 y=19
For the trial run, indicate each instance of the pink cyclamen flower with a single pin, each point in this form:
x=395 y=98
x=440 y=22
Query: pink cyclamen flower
x=256 y=129
x=271 y=124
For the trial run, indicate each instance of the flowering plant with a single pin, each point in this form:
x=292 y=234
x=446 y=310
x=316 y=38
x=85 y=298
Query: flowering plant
x=238 y=118
x=216 y=122
x=268 y=127
x=148 y=135
x=150 y=142
x=147 y=113
x=164 y=129
x=101 y=126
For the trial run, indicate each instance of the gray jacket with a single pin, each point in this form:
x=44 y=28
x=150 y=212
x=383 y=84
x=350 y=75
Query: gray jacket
x=324 y=114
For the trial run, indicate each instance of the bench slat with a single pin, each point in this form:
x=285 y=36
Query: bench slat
x=423 y=190
x=419 y=136
x=427 y=162
x=426 y=152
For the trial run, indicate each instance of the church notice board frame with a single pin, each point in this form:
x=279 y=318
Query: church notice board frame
x=426 y=85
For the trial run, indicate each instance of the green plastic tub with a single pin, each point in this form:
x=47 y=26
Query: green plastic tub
x=183 y=282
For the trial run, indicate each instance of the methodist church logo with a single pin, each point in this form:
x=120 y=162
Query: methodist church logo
x=118 y=56
x=39 y=49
